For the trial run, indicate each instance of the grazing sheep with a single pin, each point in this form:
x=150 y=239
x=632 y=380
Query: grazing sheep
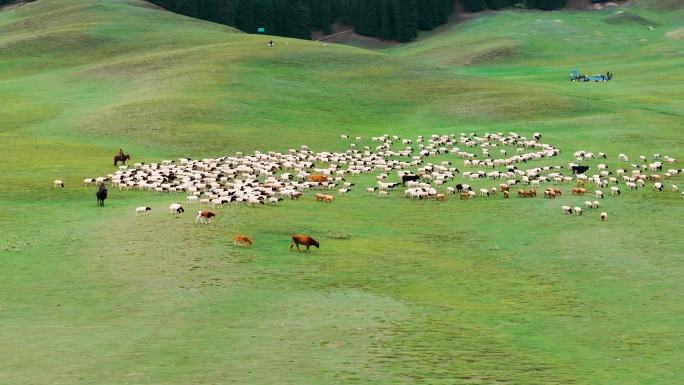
x=589 y=204
x=577 y=211
x=343 y=191
x=598 y=194
x=192 y=198
x=603 y=216
x=142 y=210
x=623 y=158
x=675 y=188
x=596 y=204
x=59 y=183
x=176 y=208
x=658 y=186
x=383 y=194
x=484 y=192
x=614 y=191
x=506 y=194
x=566 y=210
x=344 y=137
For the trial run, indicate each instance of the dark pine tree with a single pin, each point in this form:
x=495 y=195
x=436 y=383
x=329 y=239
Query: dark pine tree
x=187 y=7
x=245 y=16
x=298 y=19
x=406 y=20
x=367 y=21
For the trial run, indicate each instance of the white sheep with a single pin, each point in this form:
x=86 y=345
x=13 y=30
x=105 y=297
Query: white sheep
x=577 y=211
x=595 y=204
x=599 y=193
x=588 y=204
x=623 y=158
x=142 y=210
x=566 y=210
x=603 y=216
x=383 y=194
x=192 y=198
x=176 y=208
x=675 y=188
x=657 y=186
x=614 y=191
x=59 y=183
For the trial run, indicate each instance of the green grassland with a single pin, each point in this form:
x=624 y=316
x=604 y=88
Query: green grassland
x=487 y=291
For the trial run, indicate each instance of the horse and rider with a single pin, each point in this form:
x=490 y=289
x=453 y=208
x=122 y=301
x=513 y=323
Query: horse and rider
x=121 y=157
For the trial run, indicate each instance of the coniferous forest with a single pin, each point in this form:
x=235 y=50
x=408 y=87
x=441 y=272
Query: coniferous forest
x=387 y=19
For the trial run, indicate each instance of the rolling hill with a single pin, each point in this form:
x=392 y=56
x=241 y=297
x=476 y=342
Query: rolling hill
x=491 y=291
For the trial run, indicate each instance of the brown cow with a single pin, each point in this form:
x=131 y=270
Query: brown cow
x=579 y=191
x=242 y=240
x=304 y=240
x=204 y=216
x=319 y=178
x=506 y=194
x=549 y=193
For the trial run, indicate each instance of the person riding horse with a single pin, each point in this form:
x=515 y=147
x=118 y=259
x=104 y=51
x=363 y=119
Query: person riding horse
x=121 y=157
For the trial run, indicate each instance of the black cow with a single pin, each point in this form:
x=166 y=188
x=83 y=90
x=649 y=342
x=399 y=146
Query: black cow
x=579 y=169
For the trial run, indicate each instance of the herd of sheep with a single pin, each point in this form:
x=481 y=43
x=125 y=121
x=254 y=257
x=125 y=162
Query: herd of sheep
x=510 y=161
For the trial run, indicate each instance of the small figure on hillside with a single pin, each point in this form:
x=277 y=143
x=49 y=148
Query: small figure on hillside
x=270 y=43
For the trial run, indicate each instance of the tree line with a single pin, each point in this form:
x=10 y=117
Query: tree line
x=397 y=20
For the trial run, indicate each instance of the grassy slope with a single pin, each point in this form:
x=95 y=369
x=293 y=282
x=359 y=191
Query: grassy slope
x=455 y=293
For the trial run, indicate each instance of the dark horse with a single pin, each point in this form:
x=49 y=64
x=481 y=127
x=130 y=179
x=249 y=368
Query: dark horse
x=121 y=157
x=101 y=194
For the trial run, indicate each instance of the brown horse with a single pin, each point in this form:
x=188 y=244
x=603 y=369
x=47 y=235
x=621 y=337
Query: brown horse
x=121 y=157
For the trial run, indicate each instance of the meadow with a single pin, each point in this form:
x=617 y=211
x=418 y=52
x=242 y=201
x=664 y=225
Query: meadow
x=486 y=291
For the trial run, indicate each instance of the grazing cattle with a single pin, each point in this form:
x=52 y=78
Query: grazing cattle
x=317 y=178
x=59 y=183
x=101 y=195
x=142 y=210
x=579 y=169
x=176 y=208
x=242 y=240
x=409 y=178
x=604 y=216
x=204 y=216
x=303 y=240
x=549 y=193
x=506 y=194
x=578 y=191
x=441 y=197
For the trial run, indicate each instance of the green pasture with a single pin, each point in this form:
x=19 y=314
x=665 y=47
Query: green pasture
x=484 y=291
